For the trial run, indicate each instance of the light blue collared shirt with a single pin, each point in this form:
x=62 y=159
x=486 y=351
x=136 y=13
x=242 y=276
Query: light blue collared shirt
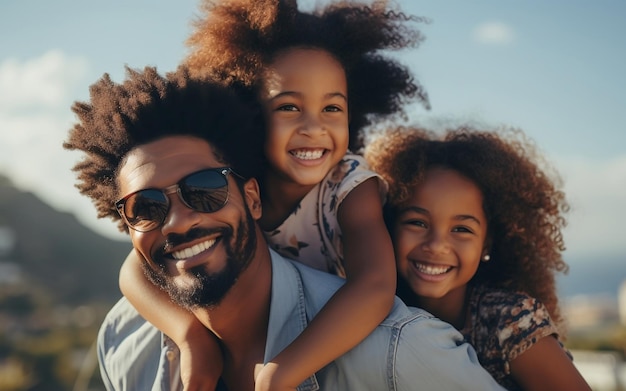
x=409 y=350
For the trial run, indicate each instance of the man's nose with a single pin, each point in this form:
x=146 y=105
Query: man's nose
x=180 y=218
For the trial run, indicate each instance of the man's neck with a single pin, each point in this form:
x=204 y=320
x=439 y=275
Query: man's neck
x=240 y=321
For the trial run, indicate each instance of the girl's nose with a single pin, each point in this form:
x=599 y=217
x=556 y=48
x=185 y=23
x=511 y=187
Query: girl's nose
x=311 y=125
x=436 y=243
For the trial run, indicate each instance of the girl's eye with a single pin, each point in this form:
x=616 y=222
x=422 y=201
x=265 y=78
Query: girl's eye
x=287 y=107
x=462 y=229
x=416 y=223
x=332 y=109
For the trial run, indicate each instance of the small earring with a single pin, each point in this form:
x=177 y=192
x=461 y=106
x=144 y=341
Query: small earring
x=486 y=258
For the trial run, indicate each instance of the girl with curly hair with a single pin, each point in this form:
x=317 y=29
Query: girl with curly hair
x=476 y=225
x=321 y=79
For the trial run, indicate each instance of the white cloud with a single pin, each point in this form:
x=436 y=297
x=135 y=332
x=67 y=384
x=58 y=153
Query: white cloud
x=35 y=117
x=42 y=81
x=596 y=189
x=493 y=33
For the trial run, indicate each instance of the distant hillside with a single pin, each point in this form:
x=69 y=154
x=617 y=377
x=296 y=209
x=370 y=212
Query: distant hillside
x=57 y=252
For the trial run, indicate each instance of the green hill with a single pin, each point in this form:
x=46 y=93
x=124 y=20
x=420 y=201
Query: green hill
x=53 y=250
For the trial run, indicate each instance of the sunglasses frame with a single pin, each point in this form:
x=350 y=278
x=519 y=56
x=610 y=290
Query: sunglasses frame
x=176 y=188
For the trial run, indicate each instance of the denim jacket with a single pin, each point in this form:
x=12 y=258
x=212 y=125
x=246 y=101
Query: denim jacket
x=409 y=350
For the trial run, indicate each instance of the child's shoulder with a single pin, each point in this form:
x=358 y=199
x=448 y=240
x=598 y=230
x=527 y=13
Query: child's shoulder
x=350 y=163
x=509 y=314
x=507 y=322
x=351 y=170
x=498 y=302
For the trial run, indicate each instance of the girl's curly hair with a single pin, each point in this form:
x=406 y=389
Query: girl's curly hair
x=147 y=107
x=522 y=198
x=237 y=39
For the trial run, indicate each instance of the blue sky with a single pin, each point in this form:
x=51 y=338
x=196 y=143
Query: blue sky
x=553 y=68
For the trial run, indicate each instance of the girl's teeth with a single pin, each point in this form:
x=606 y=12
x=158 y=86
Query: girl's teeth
x=432 y=270
x=308 y=154
x=193 y=250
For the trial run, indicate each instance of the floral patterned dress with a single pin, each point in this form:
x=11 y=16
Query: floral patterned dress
x=501 y=325
x=311 y=234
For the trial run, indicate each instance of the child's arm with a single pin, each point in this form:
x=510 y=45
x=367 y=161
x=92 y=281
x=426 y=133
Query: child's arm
x=356 y=308
x=545 y=366
x=200 y=354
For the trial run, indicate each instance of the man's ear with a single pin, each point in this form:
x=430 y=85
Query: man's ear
x=252 y=196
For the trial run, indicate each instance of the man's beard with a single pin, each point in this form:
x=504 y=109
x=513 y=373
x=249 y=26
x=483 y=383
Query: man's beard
x=204 y=289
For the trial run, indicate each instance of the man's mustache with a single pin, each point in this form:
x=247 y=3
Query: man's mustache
x=174 y=239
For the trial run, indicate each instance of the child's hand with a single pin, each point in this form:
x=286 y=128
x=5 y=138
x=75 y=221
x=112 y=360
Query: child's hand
x=269 y=378
x=201 y=364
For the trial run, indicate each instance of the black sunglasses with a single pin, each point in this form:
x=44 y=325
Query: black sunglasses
x=204 y=191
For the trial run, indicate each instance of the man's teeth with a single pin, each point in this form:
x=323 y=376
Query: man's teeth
x=308 y=154
x=431 y=269
x=193 y=250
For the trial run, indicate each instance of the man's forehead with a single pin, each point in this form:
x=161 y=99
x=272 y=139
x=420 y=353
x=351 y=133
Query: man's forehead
x=163 y=162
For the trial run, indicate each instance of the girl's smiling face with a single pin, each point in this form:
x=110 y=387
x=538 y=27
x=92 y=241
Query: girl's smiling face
x=305 y=95
x=439 y=235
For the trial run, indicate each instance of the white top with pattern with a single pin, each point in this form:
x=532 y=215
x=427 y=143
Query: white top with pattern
x=311 y=233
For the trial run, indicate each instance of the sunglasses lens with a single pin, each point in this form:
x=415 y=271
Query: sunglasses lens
x=146 y=209
x=205 y=191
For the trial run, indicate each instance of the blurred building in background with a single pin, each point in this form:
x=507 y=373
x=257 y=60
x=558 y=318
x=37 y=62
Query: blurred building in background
x=586 y=311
